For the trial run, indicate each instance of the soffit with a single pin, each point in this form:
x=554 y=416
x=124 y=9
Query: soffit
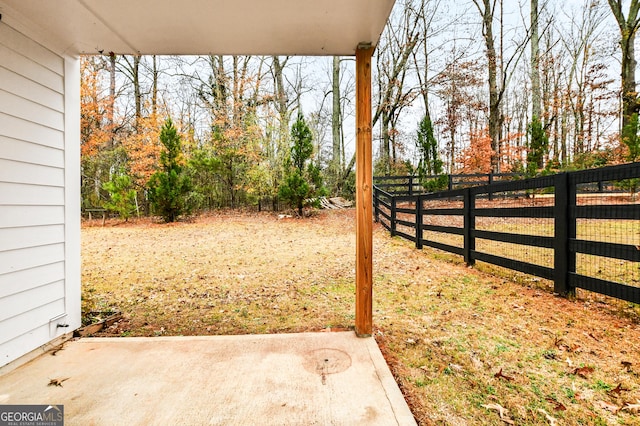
x=239 y=27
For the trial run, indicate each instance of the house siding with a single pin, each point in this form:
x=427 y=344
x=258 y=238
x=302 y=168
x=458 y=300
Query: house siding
x=37 y=173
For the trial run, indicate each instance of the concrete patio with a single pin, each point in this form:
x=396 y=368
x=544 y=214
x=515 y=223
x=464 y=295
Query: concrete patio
x=283 y=379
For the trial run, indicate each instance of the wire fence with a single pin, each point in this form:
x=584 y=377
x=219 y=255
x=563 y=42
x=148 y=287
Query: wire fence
x=581 y=230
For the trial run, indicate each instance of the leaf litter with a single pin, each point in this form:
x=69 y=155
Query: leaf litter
x=233 y=273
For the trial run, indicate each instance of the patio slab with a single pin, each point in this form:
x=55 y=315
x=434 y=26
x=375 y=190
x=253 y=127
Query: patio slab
x=276 y=379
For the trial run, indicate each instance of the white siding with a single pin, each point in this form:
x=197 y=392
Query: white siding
x=37 y=230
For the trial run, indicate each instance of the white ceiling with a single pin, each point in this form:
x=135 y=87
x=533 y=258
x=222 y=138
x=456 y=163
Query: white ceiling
x=243 y=27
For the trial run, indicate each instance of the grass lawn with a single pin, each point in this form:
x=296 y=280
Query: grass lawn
x=466 y=347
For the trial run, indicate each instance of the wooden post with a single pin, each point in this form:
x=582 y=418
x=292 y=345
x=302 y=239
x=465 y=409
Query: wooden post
x=419 y=220
x=565 y=230
x=469 y=226
x=394 y=216
x=364 y=199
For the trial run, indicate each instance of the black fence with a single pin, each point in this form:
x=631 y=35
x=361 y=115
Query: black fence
x=578 y=229
x=410 y=185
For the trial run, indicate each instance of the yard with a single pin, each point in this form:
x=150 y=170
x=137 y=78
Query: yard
x=466 y=347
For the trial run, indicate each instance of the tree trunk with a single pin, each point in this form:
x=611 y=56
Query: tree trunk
x=536 y=108
x=131 y=70
x=385 y=154
x=137 y=93
x=154 y=88
x=629 y=93
x=220 y=88
x=281 y=103
x=486 y=10
x=336 y=123
x=112 y=98
x=628 y=28
x=452 y=149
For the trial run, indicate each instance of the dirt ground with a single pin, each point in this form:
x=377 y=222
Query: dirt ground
x=466 y=347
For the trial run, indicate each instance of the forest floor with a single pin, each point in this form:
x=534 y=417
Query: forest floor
x=465 y=346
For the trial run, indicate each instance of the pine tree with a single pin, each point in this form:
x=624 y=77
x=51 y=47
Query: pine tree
x=430 y=163
x=630 y=138
x=122 y=195
x=169 y=187
x=632 y=141
x=538 y=146
x=301 y=182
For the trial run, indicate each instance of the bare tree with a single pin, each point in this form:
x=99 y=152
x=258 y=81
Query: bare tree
x=129 y=66
x=487 y=10
x=393 y=53
x=500 y=69
x=578 y=43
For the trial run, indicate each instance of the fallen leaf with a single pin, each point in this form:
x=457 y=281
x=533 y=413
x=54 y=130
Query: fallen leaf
x=552 y=420
x=558 y=406
x=609 y=407
x=501 y=411
x=455 y=367
x=57 y=382
x=57 y=349
x=618 y=389
x=499 y=375
x=583 y=371
x=632 y=408
x=569 y=363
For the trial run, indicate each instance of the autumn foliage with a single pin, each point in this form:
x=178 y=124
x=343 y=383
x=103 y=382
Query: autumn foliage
x=143 y=149
x=95 y=108
x=476 y=158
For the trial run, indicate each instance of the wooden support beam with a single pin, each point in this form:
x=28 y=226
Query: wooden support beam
x=364 y=194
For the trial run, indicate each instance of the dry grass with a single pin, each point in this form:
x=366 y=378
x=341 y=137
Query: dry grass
x=461 y=342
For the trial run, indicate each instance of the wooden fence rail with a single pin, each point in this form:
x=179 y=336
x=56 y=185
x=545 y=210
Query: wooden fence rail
x=406 y=212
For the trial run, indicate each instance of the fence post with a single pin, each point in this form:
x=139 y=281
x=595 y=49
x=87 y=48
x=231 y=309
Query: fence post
x=490 y=183
x=410 y=185
x=469 y=226
x=376 y=204
x=393 y=217
x=418 y=222
x=450 y=185
x=564 y=260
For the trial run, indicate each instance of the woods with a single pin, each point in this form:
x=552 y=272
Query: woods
x=484 y=85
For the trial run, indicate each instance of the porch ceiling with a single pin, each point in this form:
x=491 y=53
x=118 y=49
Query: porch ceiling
x=246 y=27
